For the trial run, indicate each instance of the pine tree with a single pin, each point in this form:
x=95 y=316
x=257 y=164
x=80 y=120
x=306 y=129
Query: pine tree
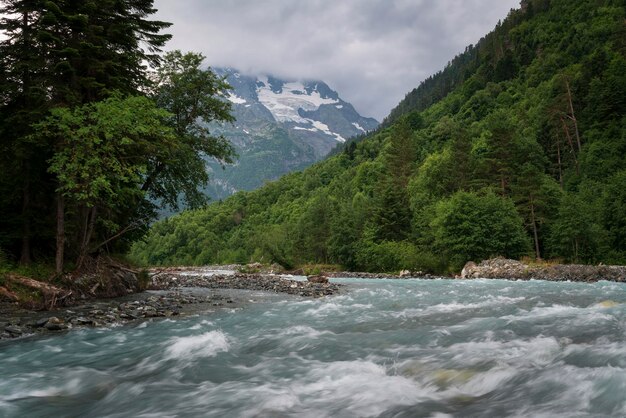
x=393 y=214
x=62 y=53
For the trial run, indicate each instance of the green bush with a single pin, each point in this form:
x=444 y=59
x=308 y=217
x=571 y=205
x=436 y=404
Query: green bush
x=471 y=226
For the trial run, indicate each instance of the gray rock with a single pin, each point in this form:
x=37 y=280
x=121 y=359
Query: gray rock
x=55 y=324
x=13 y=330
x=41 y=323
x=468 y=270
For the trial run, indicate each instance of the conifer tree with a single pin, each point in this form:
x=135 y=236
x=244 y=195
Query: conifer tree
x=61 y=53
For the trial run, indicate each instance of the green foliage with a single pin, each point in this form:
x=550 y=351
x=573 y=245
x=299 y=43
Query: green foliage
x=104 y=148
x=472 y=226
x=85 y=154
x=575 y=234
x=194 y=97
x=516 y=147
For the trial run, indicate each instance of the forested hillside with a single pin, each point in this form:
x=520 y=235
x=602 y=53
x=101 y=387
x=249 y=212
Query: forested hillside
x=516 y=149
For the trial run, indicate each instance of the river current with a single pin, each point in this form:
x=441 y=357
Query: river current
x=381 y=348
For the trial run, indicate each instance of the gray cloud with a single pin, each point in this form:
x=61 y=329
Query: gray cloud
x=372 y=51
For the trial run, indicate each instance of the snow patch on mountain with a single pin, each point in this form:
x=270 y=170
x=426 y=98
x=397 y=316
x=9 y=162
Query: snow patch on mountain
x=285 y=104
x=320 y=127
x=359 y=127
x=233 y=98
x=324 y=128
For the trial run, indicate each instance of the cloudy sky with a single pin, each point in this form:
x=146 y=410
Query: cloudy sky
x=372 y=52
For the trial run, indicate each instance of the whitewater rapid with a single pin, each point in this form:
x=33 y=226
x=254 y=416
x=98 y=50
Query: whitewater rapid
x=382 y=348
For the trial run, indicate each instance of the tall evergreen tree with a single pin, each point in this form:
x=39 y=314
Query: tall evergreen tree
x=393 y=213
x=61 y=53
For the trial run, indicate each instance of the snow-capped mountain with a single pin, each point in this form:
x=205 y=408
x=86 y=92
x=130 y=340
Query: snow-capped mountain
x=281 y=126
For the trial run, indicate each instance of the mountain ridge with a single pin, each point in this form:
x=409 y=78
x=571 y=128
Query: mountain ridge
x=281 y=125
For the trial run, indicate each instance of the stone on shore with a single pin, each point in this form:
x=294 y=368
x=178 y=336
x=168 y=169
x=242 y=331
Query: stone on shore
x=256 y=281
x=501 y=268
x=317 y=279
x=55 y=324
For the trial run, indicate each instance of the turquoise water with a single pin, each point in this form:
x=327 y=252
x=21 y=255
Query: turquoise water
x=382 y=349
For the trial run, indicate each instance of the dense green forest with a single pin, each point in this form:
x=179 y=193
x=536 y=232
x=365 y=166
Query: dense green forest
x=517 y=148
x=98 y=128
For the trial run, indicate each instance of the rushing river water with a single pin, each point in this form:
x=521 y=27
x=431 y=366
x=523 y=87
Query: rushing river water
x=381 y=348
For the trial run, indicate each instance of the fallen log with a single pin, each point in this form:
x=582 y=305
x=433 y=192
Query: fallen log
x=7 y=294
x=51 y=296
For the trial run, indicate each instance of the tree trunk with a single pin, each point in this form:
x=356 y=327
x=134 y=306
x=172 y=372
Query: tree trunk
x=571 y=144
x=558 y=155
x=573 y=116
x=25 y=256
x=84 y=246
x=535 y=234
x=60 y=233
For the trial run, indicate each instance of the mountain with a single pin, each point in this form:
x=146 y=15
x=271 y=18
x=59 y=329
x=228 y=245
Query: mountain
x=515 y=149
x=281 y=126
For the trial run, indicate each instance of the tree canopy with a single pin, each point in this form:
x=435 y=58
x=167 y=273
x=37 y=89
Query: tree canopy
x=93 y=139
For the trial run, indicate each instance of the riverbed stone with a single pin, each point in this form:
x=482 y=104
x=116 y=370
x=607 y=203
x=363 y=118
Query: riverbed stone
x=41 y=322
x=14 y=330
x=317 y=279
x=55 y=324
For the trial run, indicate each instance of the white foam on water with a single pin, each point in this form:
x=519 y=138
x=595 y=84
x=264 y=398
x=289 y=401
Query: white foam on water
x=484 y=383
x=455 y=306
x=204 y=345
x=325 y=309
x=359 y=388
x=335 y=307
x=571 y=316
x=408 y=313
x=492 y=301
x=70 y=382
x=270 y=402
x=538 y=351
x=577 y=389
x=202 y=324
x=303 y=331
x=53 y=349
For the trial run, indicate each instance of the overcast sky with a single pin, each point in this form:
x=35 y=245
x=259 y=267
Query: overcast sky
x=372 y=52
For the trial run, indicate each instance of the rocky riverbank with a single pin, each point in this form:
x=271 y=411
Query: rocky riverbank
x=360 y=275
x=174 y=278
x=17 y=322
x=172 y=292
x=501 y=268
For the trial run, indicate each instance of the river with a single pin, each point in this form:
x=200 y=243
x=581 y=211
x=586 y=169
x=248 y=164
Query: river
x=381 y=348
